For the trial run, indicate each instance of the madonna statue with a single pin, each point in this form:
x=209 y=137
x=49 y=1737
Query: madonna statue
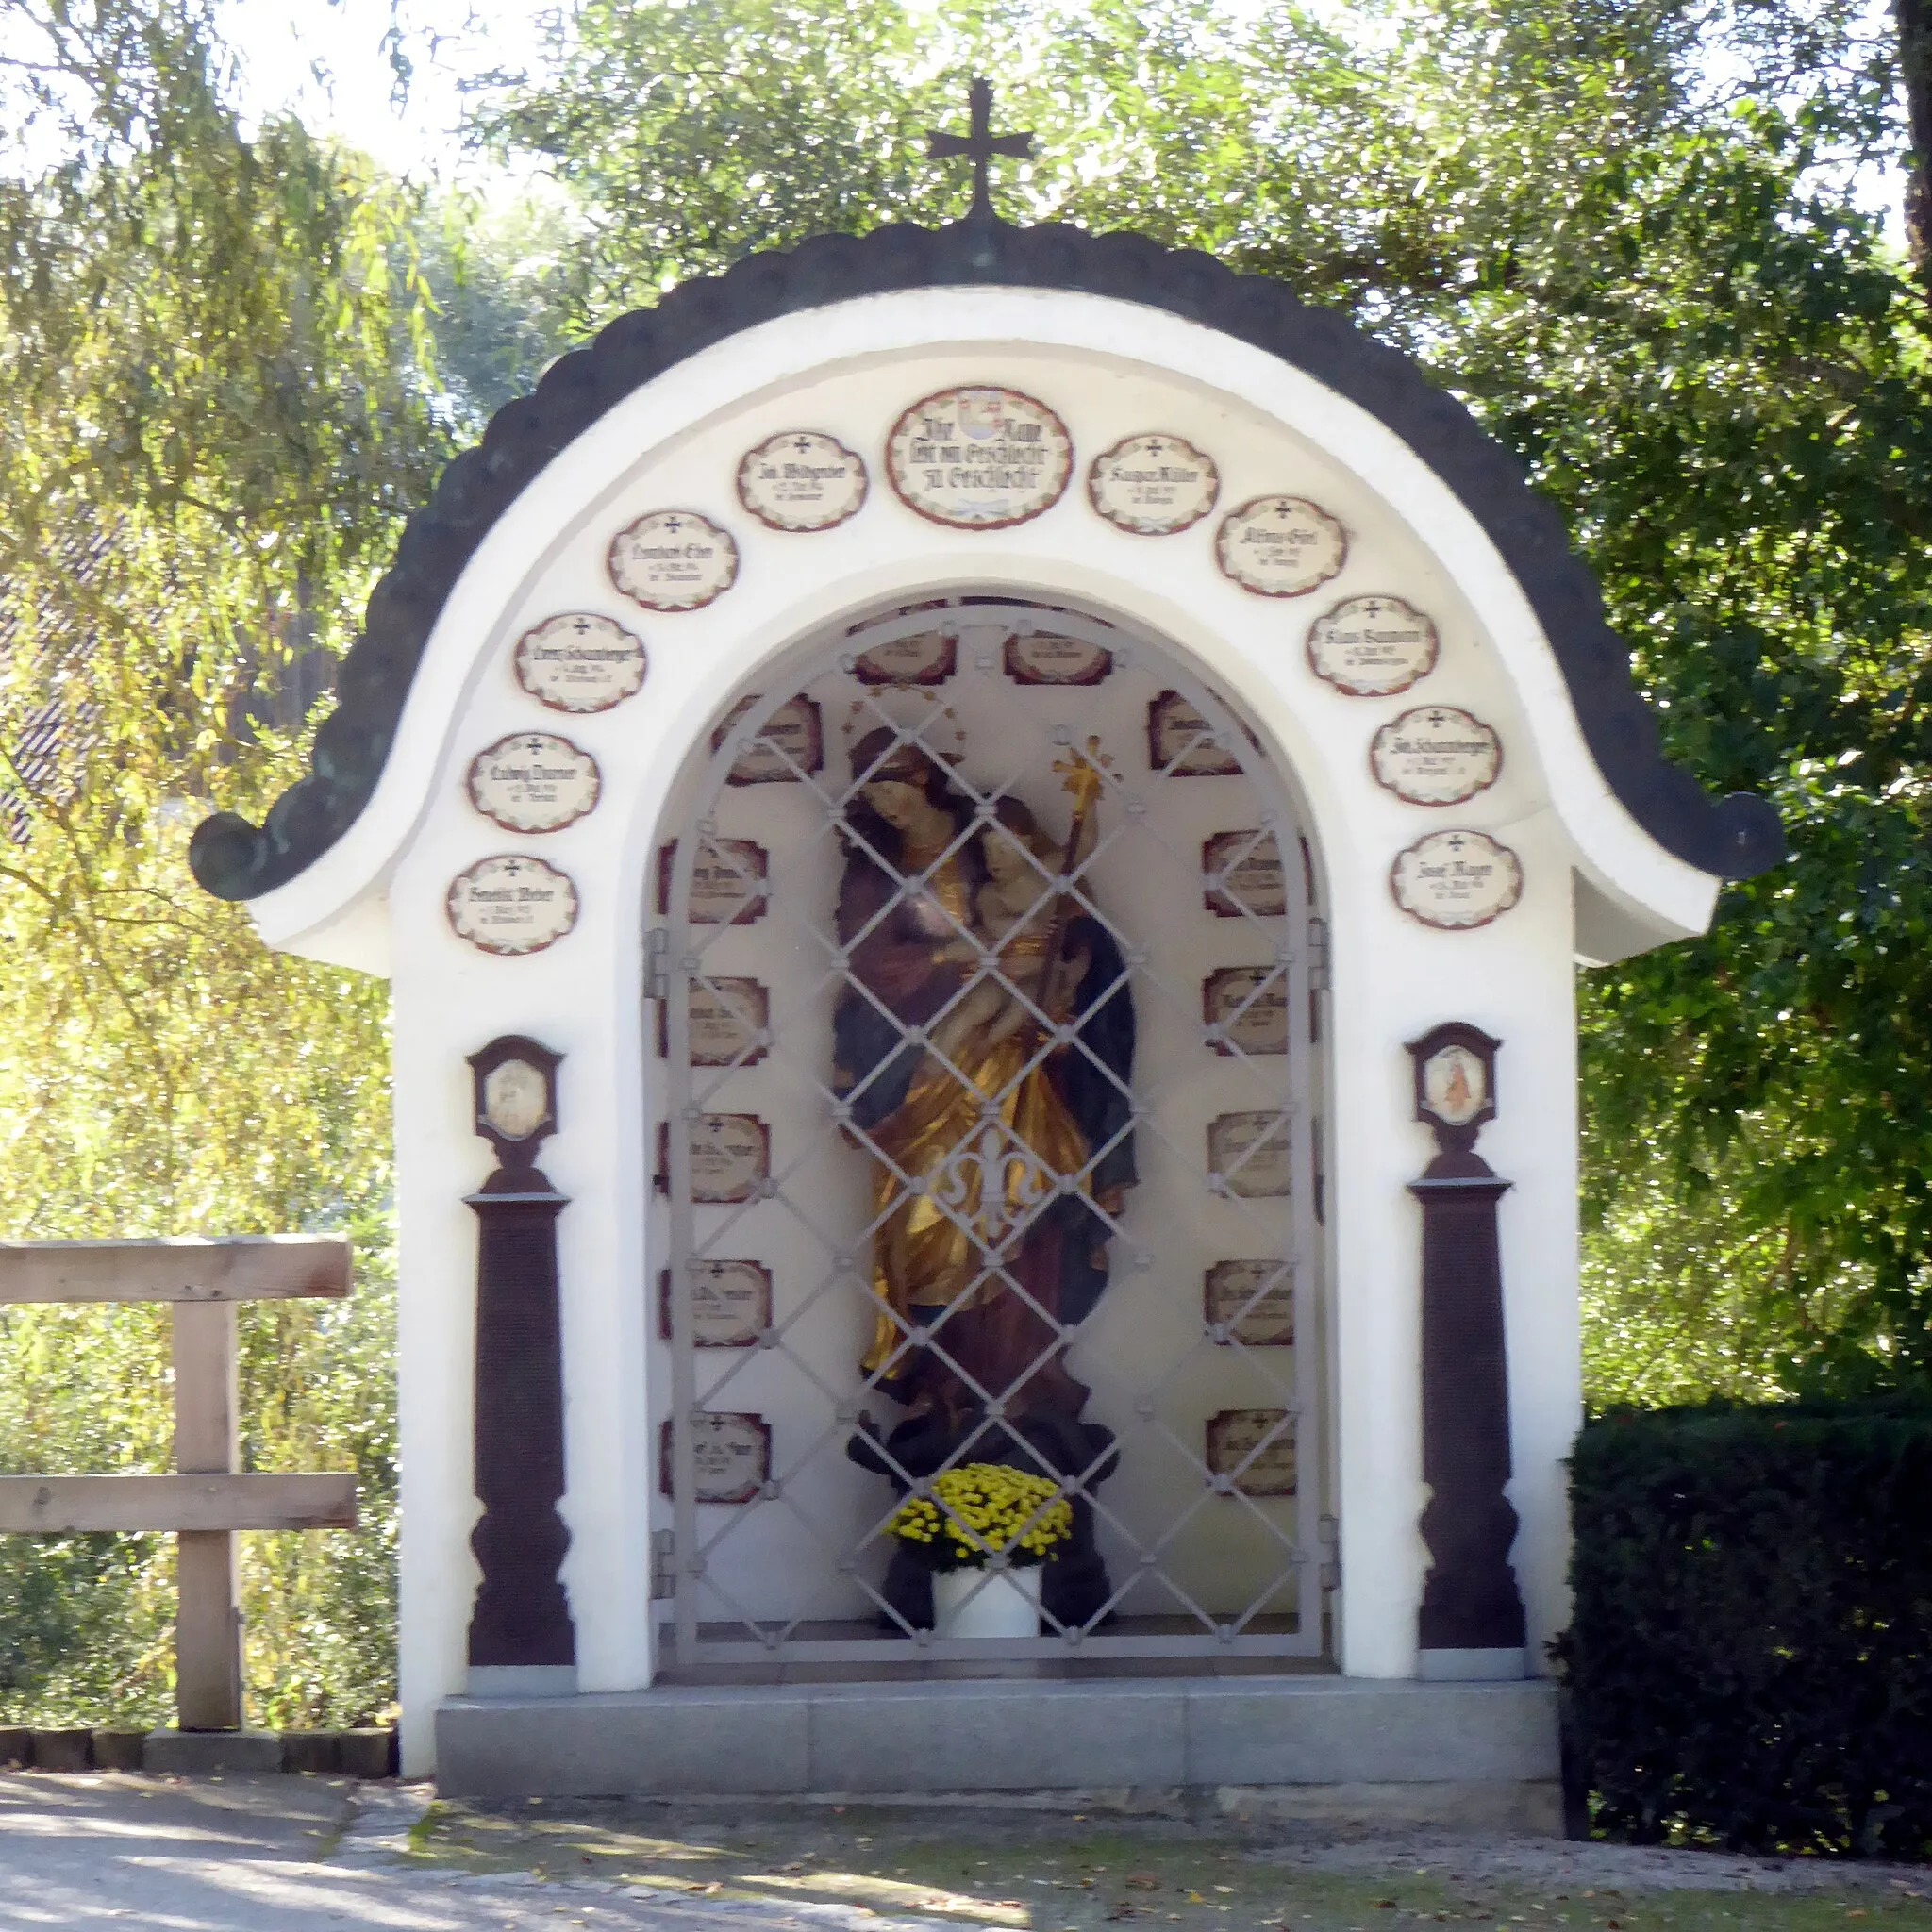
x=999 y=1153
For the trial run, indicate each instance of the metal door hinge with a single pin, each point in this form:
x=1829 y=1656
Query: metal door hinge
x=1318 y=954
x=663 y=1564
x=657 y=964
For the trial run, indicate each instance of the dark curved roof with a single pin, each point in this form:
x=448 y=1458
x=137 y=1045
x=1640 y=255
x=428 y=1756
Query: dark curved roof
x=1731 y=838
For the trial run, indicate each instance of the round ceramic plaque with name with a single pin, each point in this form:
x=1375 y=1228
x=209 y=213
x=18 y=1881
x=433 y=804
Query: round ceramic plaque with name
x=511 y=904
x=533 y=782
x=979 y=459
x=673 y=559
x=1456 y=880
x=581 y=662
x=1373 y=647
x=1280 y=546
x=802 y=480
x=1153 y=485
x=1436 y=755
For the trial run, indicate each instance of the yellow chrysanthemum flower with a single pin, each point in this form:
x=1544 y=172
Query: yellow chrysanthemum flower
x=988 y=1510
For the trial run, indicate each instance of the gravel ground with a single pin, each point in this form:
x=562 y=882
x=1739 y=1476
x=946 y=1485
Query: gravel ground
x=302 y=1854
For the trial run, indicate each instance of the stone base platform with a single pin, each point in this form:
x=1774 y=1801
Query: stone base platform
x=1009 y=1735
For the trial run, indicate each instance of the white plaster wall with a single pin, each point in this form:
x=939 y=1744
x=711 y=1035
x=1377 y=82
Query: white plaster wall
x=1110 y=370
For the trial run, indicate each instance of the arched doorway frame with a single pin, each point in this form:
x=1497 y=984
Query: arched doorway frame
x=979 y=611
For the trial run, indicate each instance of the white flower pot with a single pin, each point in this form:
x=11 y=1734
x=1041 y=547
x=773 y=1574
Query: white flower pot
x=1007 y=1605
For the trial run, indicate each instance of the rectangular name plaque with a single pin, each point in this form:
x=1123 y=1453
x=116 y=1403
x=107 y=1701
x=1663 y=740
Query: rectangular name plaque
x=790 y=745
x=730 y=1157
x=731 y=1303
x=1250 y=1302
x=1046 y=657
x=1180 y=741
x=1250 y=1154
x=727 y=1018
x=1246 y=1009
x=1244 y=876
x=729 y=881
x=731 y=1456
x=1251 y=1451
x=928 y=657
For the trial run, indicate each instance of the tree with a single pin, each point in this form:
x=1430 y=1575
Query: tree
x=1624 y=233
x=217 y=403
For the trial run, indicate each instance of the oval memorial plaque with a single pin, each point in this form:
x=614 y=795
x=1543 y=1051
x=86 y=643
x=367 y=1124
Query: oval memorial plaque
x=533 y=781
x=927 y=658
x=802 y=480
x=511 y=904
x=1280 y=546
x=673 y=559
x=1436 y=755
x=1373 y=647
x=579 y=662
x=1153 y=486
x=1456 y=880
x=979 y=459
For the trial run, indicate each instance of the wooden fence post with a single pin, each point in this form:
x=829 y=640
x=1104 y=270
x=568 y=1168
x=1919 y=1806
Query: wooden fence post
x=208 y=1626
x=206 y=1500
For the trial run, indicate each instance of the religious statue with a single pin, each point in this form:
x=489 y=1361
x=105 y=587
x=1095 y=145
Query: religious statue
x=984 y=1052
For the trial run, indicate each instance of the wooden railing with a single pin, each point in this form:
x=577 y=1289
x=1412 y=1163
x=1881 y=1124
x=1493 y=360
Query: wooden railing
x=208 y=1500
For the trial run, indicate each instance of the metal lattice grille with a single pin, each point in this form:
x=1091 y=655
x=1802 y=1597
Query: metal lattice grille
x=989 y=1142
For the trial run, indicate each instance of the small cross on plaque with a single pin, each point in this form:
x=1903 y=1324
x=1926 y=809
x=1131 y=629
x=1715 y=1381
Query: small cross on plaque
x=981 y=145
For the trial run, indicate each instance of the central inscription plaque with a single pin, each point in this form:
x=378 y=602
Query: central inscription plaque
x=979 y=459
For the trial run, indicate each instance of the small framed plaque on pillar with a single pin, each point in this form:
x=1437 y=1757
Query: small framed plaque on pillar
x=1471 y=1623
x=522 y=1640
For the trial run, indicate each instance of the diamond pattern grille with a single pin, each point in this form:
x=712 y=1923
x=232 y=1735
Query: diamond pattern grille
x=1005 y=1112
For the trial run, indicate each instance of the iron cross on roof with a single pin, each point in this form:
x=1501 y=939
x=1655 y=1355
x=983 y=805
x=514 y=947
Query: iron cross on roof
x=981 y=145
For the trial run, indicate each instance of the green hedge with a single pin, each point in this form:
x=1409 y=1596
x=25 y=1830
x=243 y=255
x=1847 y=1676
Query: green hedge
x=1750 y=1661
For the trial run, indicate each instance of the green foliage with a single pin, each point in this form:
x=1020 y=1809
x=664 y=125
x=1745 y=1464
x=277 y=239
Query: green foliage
x=216 y=403
x=1622 y=232
x=1750 y=1659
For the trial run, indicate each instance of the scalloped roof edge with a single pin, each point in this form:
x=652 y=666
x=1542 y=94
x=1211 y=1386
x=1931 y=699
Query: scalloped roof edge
x=1732 y=838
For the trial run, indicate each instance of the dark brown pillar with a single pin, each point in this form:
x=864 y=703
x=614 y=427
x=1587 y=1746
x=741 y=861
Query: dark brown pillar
x=521 y=1619
x=1470 y=1622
